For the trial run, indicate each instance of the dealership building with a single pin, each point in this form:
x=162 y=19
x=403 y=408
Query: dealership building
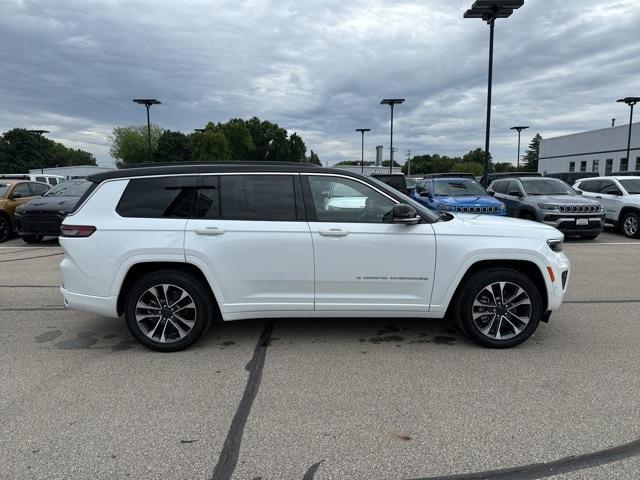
x=602 y=151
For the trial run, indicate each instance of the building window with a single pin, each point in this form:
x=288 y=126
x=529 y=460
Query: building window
x=608 y=167
x=596 y=166
x=572 y=166
x=583 y=166
x=637 y=163
x=624 y=165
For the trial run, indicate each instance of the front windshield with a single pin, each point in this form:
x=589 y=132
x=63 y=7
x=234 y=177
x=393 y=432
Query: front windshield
x=69 y=188
x=4 y=187
x=632 y=186
x=422 y=210
x=458 y=188
x=549 y=186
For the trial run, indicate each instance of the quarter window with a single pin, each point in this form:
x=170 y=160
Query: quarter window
x=208 y=204
x=160 y=197
x=338 y=199
x=257 y=197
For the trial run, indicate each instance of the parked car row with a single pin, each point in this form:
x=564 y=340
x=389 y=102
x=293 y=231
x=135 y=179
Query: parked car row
x=34 y=209
x=582 y=210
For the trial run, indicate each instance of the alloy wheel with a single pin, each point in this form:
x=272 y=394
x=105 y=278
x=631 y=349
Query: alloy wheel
x=630 y=226
x=501 y=310
x=166 y=313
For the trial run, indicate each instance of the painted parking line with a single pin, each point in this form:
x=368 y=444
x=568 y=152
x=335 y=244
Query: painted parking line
x=600 y=243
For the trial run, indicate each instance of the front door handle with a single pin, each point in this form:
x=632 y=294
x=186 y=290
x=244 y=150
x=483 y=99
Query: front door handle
x=334 y=232
x=598 y=197
x=210 y=231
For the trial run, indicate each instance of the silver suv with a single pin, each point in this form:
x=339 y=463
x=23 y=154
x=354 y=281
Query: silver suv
x=550 y=201
x=620 y=196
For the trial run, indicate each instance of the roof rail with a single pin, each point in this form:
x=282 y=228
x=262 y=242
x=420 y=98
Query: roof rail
x=450 y=175
x=214 y=163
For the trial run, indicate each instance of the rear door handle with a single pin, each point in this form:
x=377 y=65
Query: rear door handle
x=210 y=231
x=598 y=197
x=334 y=232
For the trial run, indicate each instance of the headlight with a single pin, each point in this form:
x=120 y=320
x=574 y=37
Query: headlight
x=556 y=245
x=548 y=206
x=446 y=208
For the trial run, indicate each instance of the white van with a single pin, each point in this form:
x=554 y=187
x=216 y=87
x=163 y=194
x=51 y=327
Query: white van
x=35 y=177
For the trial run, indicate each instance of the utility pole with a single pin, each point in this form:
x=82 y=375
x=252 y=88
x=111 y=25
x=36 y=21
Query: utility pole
x=408 y=162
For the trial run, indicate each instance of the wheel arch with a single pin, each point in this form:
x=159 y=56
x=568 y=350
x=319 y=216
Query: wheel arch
x=526 y=209
x=140 y=269
x=628 y=209
x=528 y=267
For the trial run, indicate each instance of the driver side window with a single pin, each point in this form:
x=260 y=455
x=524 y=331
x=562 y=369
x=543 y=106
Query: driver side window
x=337 y=199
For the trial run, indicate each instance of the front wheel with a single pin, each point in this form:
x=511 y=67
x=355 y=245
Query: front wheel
x=499 y=308
x=5 y=229
x=168 y=310
x=631 y=225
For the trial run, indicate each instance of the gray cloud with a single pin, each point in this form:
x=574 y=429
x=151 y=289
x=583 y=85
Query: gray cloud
x=318 y=68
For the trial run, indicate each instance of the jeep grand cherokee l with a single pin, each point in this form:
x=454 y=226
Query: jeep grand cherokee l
x=170 y=248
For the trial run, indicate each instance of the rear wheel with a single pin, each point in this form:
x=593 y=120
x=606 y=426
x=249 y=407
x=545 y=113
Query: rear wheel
x=631 y=225
x=168 y=310
x=32 y=238
x=499 y=308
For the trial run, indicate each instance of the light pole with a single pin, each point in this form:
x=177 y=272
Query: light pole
x=631 y=101
x=147 y=102
x=489 y=10
x=362 y=130
x=519 y=129
x=391 y=102
x=40 y=133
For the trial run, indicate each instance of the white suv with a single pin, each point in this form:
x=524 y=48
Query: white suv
x=170 y=248
x=620 y=197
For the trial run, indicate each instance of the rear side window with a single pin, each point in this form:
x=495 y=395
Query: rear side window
x=257 y=197
x=161 y=197
x=41 y=179
x=53 y=181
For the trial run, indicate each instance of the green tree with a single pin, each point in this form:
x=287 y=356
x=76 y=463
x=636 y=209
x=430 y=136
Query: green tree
x=313 y=158
x=530 y=159
x=210 y=145
x=297 y=149
x=172 y=147
x=22 y=150
x=130 y=144
x=502 y=167
x=239 y=139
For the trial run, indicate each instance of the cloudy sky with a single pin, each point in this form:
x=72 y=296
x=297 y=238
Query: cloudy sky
x=318 y=68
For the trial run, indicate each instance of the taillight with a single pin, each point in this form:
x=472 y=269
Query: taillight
x=78 y=231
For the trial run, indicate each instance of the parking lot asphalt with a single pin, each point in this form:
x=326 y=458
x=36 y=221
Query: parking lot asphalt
x=322 y=399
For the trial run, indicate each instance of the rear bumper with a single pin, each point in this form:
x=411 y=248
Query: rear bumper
x=105 y=306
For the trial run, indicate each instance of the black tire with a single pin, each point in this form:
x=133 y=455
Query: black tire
x=591 y=236
x=32 y=238
x=474 y=285
x=630 y=225
x=201 y=315
x=5 y=229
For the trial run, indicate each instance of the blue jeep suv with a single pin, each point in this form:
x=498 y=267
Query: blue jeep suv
x=456 y=194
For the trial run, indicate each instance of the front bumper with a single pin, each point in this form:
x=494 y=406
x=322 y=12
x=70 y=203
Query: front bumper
x=575 y=224
x=39 y=226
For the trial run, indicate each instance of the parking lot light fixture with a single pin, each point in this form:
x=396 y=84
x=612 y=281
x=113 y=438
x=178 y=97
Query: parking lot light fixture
x=631 y=101
x=200 y=130
x=519 y=129
x=39 y=133
x=362 y=130
x=147 y=102
x=391 y=102
x=489 y=10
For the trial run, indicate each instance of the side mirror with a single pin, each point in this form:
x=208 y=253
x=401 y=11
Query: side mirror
x=491 y=192
x=514 y=194
x=579 y=192
x=16 y=195
x=403 y=213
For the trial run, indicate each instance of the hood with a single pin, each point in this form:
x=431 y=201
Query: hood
x=493 y=226
x=483 y=201
x=49 y=204
x=564 y=199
